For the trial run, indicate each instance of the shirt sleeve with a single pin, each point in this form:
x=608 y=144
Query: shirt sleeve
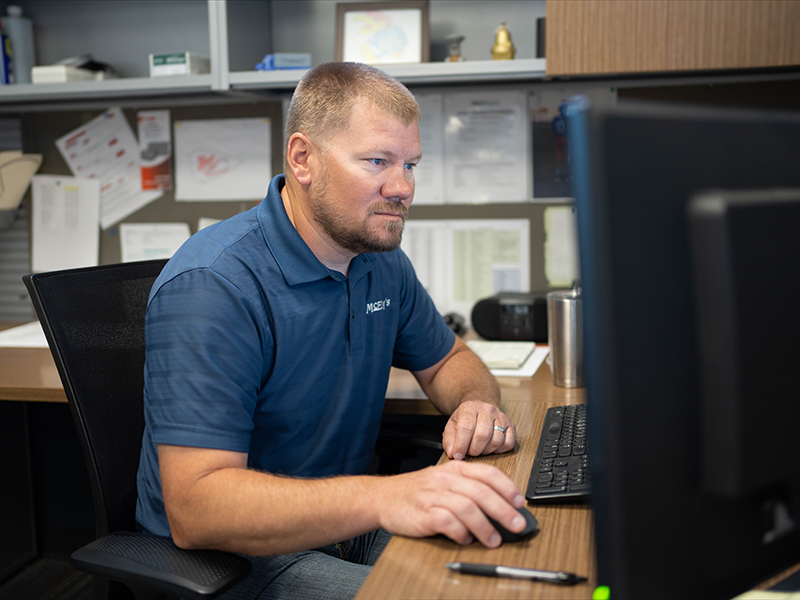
x=423 y=337
x=206 y=347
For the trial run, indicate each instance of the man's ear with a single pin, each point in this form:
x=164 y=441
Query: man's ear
x=301 y=155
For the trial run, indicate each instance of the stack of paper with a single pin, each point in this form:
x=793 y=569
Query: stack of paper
x=502 y=355
x=64 y=73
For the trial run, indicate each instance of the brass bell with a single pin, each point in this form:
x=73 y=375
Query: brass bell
x=503 y=49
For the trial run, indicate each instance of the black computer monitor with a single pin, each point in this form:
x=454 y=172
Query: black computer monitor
x=662 y=528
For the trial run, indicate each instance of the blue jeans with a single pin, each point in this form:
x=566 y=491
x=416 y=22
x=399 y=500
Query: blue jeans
x=335 y=571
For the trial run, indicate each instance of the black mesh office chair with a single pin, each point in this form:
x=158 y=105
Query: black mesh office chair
x=93 y=319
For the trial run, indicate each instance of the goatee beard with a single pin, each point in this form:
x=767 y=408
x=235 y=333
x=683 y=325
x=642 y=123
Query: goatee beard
x=361 y=240
x=358 y=239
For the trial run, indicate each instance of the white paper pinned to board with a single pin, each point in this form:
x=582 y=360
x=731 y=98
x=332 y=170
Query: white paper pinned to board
x=222 y=159
x=150 y=241
x=64 y=227
x=105 y=149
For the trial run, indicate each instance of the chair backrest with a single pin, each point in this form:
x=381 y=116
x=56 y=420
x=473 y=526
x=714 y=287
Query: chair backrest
x=93 y=319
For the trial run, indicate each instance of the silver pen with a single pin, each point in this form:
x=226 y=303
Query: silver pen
x=559 y=577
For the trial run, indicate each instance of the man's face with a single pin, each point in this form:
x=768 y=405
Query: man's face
x=365 y=185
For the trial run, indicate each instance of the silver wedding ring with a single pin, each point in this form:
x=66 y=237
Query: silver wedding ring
x=501 y=429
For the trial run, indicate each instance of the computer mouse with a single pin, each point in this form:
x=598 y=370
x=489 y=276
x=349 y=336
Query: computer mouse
x=509 y=536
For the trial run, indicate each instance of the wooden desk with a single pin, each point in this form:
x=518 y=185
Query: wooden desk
x=29 y=374
x=414 y=568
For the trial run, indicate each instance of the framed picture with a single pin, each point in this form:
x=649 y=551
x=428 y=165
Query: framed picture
x=379 y=33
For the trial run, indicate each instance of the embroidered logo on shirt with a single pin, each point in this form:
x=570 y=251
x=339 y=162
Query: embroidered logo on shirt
x=378 y=305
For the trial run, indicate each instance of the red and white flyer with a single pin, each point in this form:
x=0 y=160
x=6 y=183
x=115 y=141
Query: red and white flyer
x=105 y=149
x=155 y=149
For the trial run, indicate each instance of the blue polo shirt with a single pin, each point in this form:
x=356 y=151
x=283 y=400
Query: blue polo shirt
x=253 y=345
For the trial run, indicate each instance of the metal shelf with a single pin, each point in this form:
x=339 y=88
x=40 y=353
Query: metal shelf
x=530 y=69
x=50 y=96
x=126 y=91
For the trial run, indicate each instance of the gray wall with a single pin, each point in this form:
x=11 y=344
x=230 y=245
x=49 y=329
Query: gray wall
x=122 y=33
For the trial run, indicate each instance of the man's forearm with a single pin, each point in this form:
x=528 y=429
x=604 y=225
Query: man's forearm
x=255 y=513
x=460 y=385
x=264 y=514
x=463 y=376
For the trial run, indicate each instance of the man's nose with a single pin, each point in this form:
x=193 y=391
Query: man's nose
x=399 y=186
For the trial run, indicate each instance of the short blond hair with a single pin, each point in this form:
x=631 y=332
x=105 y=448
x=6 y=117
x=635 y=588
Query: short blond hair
x=324 y=98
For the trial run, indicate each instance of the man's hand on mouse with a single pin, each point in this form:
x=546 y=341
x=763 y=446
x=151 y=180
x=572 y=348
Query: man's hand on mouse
x=477 y=428
x=453 y=499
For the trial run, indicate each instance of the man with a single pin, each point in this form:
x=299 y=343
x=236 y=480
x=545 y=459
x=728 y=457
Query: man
x=269 y=342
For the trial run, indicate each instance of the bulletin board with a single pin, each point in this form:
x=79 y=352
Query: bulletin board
x=41 y=130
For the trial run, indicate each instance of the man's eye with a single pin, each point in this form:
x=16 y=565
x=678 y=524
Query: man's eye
x=410 y=167
x=376 y=161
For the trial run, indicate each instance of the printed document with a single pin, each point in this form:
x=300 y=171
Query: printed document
x=486 y=147
x=222 y=159
x=510 y=359
x=428 y=174
x=560 y=246
x=502 y=355
x=64 y=232
x=105 y=149
x=155 y=149
x=149 y=241
x=461 y=261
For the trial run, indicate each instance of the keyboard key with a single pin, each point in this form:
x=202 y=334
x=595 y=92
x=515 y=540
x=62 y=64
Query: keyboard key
x=581 y=487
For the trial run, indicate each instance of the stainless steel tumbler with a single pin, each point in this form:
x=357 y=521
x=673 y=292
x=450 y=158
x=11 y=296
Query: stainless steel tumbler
x=565 y=337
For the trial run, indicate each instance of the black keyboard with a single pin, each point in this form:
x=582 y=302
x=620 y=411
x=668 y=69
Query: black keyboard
x=560 y=470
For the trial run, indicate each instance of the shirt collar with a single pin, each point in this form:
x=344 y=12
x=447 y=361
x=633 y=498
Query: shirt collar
x=295 y=259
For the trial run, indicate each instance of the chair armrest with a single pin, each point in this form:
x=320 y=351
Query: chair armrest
x=155 y=562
